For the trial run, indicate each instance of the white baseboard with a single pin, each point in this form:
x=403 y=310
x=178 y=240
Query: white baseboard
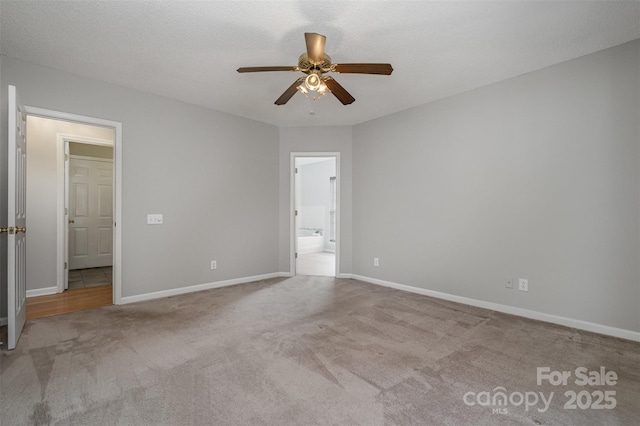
x=198 y=287
x=3 y=321
x=526 y=313
x=285 y=274
x=42 y=291
x=346 y=276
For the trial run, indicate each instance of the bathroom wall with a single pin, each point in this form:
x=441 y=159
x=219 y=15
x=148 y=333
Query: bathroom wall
x=315 y=203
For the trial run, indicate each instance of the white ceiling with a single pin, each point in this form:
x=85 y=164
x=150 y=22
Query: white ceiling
x=190 y=51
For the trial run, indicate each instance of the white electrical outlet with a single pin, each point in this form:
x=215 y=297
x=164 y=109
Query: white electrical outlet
x=523 y=284
x=509 y=282
x=376 y=261
x=154 y=219
x=214 y=265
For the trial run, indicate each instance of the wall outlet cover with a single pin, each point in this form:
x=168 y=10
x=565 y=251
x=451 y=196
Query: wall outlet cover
x=523 y=284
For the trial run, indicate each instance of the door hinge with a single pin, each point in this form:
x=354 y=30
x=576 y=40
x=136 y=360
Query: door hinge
x=66 y=211
x=65 y=265
x=296 y=212
x=296 y=255
x=296 y=170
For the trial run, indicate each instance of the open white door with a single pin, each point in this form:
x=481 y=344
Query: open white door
x=17 y=216
x=296 y=213
x=66 y=215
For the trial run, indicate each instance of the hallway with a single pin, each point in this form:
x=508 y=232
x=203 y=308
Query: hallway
x=88 y=289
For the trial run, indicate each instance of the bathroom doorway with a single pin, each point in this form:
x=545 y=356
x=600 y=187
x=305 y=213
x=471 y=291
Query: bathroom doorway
x=315 y=214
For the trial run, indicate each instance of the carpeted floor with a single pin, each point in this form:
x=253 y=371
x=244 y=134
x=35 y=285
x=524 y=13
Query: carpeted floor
x=309 y=350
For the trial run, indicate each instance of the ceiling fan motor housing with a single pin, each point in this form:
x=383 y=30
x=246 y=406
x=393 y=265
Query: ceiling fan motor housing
x=307 y=66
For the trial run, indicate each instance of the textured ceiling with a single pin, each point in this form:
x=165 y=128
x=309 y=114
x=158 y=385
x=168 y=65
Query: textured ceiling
x=190 y=50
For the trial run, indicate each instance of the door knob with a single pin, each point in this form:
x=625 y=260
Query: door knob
x=11 y=230
x=72 y=221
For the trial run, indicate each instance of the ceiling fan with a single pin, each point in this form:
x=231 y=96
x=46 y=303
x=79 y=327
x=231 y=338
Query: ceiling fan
x=315 y=63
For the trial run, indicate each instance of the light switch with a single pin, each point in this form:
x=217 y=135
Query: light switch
x=154 y=219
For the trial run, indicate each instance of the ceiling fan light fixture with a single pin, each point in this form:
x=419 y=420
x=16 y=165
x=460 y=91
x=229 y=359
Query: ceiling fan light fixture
x=323 y=89
x=313 y=81
x=302 y=89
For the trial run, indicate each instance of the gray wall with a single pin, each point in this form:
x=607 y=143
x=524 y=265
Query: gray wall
x=316 y=139
x=42 y=191
x=535 y=177
x=214 y=176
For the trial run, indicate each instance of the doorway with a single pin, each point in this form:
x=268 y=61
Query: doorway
x=315 y=214
x=74 y=188
x=69 y=162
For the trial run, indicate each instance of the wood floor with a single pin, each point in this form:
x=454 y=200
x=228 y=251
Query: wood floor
x=69 y=301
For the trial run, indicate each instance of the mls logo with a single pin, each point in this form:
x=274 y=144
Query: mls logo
x=499 y=411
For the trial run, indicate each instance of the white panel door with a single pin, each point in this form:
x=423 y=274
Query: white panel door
x=90 y=213
x=297 y=218
x=17 y=219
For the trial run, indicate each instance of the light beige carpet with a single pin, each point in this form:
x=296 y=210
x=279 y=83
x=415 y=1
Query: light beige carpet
x=306 y=350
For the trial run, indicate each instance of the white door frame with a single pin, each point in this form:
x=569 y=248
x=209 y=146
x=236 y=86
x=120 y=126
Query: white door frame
x=292 y=207
x=63 y=200
x=117 y=192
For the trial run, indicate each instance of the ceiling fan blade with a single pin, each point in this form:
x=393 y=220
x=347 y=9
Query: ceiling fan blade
x=260 y=69
x=315 y=46
x=338 y=91
x=288 y=94
x=384 y=69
